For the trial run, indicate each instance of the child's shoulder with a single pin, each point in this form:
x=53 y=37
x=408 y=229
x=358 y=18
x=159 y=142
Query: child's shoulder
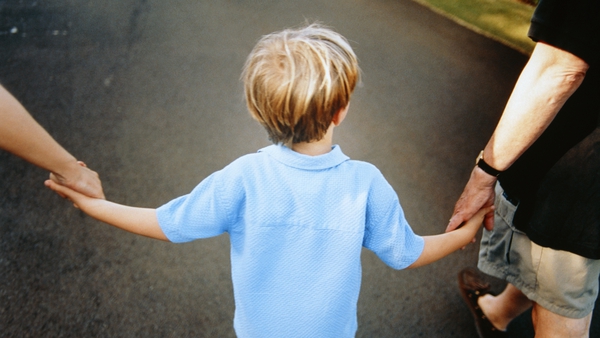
x=246 y=160
x=363 y=166
x=248 y=164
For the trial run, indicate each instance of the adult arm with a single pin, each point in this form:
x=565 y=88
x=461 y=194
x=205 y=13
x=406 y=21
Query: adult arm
x=550 y=77
x=140 y=221
x=21 y=135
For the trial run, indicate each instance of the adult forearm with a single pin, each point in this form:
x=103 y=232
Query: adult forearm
x=550 y=77
x=21 y=135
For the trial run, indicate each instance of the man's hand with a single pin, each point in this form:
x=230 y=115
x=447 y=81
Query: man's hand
x=78 y=199
x=81 y=179
x=21 y=135
x=478 y=194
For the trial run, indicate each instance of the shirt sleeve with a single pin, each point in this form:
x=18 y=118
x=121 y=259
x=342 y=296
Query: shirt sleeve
x=572 y=26
x=387 y=232
x=202 y=213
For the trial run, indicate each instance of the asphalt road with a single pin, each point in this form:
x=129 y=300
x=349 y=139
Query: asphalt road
x=147 y=93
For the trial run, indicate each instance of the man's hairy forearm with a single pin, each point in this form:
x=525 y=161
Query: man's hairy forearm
x=21 y=135
x=549 y=79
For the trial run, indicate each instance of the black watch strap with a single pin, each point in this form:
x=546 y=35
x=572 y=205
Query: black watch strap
x=486 y=167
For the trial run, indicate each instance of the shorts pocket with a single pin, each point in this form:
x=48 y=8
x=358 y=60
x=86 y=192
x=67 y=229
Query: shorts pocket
x=505 y=209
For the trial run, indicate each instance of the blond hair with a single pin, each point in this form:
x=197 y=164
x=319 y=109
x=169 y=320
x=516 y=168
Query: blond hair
x=296 y=80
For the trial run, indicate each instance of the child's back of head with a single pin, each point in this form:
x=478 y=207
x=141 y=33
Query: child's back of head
x=296 y=80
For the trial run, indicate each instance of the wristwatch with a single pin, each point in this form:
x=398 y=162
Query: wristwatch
x=486 y=167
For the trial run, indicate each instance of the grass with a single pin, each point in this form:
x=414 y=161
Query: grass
x=506 y=21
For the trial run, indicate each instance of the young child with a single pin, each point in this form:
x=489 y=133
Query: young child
x=297 y=212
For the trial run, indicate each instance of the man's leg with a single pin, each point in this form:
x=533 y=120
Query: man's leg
x=503 y=308
x=551 y=325
x=511 y=303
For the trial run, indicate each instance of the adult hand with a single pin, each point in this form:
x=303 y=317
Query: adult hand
x=80 y=178
x=478 y=194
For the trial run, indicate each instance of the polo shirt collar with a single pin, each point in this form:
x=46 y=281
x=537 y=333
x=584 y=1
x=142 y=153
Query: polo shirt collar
x=294 y=159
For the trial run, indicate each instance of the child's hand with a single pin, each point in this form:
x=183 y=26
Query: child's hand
x=476 y=221
x=79 y=200
x=141 y=221
x=473 y=224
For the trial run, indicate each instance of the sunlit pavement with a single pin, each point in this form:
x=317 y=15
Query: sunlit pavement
x=147 y=93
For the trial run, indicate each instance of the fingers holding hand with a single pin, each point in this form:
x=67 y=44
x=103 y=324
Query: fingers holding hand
x=464 y=210
x=63 y=191
x=88 y=183
x=485 y=212
x=81 y=179
x=488 y=221
x=455 y=221
x=479 y=217
x=54 y=180
x=477 y=194
x=476 y=221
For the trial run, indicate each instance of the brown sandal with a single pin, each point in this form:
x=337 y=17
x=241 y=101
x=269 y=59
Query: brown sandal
x=472 y=286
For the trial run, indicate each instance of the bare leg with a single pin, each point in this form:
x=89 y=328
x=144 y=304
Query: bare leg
x=505 y=307
x=551 y=325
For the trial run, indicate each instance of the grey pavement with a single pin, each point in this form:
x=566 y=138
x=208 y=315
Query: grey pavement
x=147 y=93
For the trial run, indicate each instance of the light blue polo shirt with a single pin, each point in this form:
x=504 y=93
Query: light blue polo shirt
x=297 y=224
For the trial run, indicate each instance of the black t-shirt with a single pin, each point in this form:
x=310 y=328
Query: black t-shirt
x=570 y=25
x=545 y=205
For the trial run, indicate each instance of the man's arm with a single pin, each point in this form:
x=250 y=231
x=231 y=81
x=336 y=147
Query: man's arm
x=140 y=221
x=550 y=77
x=21 y=135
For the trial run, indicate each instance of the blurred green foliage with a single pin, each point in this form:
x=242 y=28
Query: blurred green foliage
x=504 y=20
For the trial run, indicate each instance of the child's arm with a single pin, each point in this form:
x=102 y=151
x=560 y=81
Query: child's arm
x=440 y=246
x=141 y=221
